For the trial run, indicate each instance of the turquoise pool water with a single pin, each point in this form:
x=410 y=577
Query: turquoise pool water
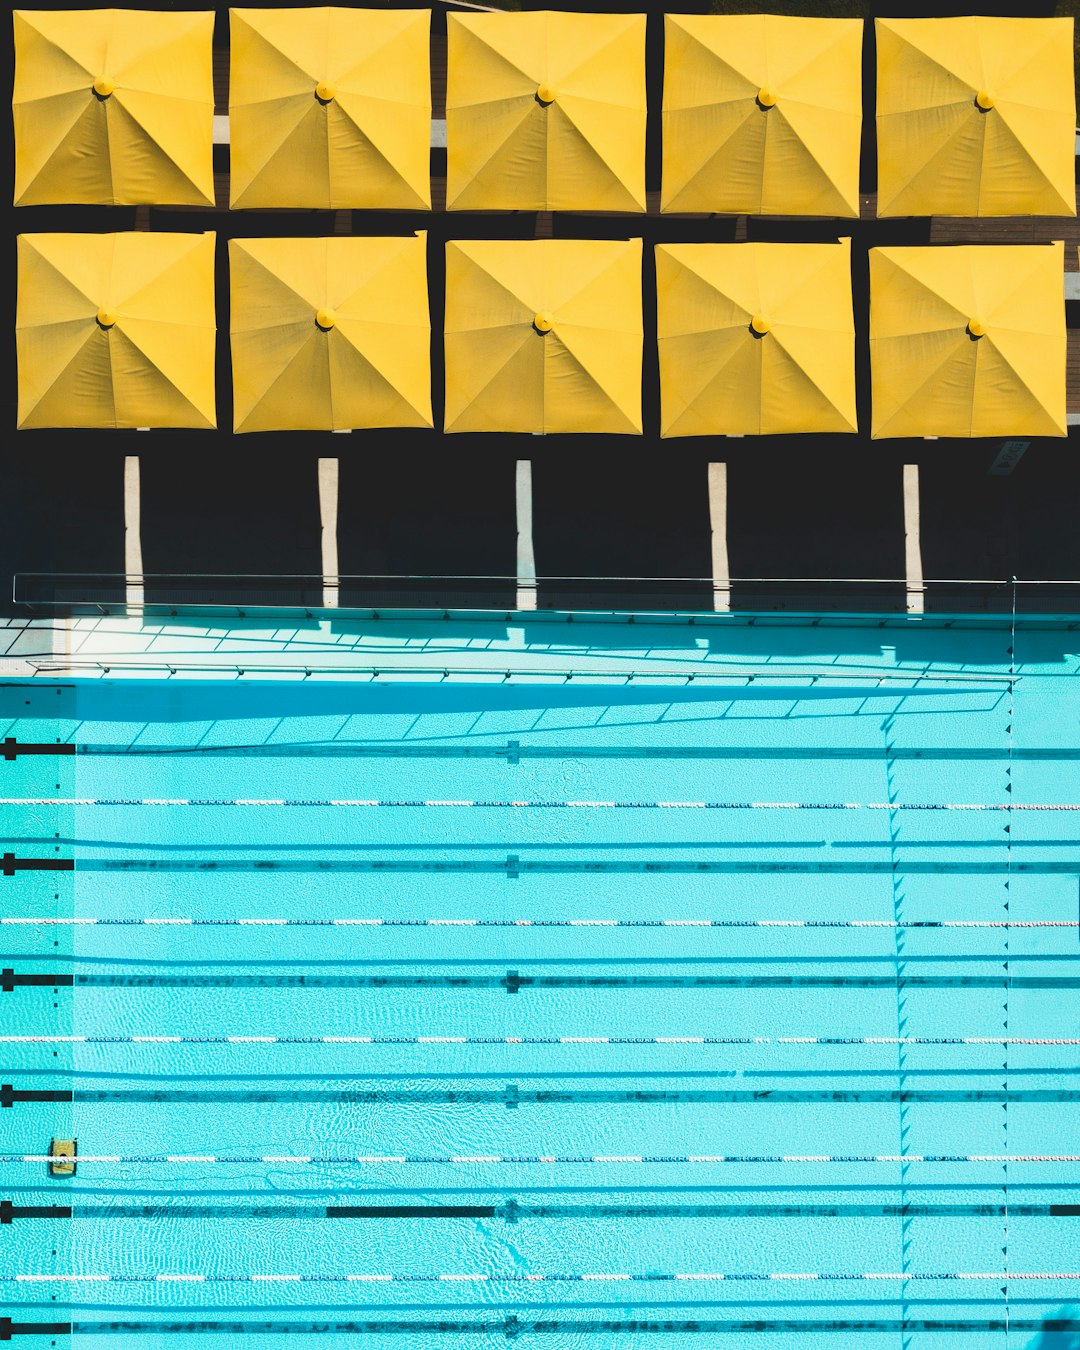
x=736 y=998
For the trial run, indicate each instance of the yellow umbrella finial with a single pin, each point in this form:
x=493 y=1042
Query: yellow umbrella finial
x=325 y=92
x=984 y=100
x=543 y=322
x=760 y=325
x=325 y=319
x=103 y=87
x=766 y=97
x=976 y=328
x=545 y=94
x=106 y=317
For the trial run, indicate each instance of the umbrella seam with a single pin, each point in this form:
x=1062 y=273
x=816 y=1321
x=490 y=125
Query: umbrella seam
x=592 y=378
x=158 y=146
x=474 y=173
x=154 y=366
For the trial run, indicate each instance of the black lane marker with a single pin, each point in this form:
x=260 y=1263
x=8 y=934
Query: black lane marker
x=10 y=1095
x=10 y=864
x=512 y=1326
x=512 y=1211
x=514 y=750
x=558 y=866
x=14 y=748
x=8 y=1328
x=511 y=1095
x=513 y=981
x=11 y=980
x=9 y=1212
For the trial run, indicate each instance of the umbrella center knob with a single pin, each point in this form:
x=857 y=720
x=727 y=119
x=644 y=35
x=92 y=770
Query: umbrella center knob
x=106 y=318
x=765 y=97
x=545 y=94
x=325 y=92
x=325 y=319
x=543 y=321
x=103 y=87
x=760 y=325
x=976 y=328
x=984 y=100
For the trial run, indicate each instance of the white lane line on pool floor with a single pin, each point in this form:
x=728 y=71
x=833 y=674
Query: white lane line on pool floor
x=545 y=1160
x=537 y=1040
x=601 y=1277
x=539 y=804
x=383 y=922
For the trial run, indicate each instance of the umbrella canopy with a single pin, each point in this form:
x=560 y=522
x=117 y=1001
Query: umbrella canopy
x=762 y=114
x=976 y=117
x=116 y=330
x=545 y=112
x=330 y=108
x=543 y=335
x=968 y=341
x=755 y=339
x=330 y=334
x=113 y=107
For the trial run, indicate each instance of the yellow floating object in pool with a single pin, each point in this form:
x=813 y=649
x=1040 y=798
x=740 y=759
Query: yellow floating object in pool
x=543 y=335
x=330 y=334
x=60 y=1151
x=755 y=339
x=976 y=117
x=545 y=112
x=968 y=341
x=330 y=108
x=116 y=330
x=762 y=114
x=114 y=107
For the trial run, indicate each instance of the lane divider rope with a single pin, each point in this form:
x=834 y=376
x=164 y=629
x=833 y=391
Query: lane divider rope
x=478 y=1159
x=650 y=1277
x=541 y=804
x=537 y=1040
x=188 y=921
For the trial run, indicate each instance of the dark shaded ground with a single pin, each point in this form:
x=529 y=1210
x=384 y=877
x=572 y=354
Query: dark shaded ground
x=253 y=509
x=602 y=506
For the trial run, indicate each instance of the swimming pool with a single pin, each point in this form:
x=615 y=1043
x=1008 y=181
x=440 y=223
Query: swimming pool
x=579 y=1012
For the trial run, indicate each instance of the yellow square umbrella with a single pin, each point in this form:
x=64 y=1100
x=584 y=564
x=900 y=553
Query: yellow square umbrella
x=762 y=114
x=330 y=108
x=968 y=341
x=116 y=330
x=330 y=334
x=543 y=335
x=113 y=107
x=976 y=117
x=545 y=112
x=755 y=339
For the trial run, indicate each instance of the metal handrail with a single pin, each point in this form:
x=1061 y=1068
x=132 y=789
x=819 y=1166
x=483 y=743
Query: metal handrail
x=375 y=593
x=442 y=671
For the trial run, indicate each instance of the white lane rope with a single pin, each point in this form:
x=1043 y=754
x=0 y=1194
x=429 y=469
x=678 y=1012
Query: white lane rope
x=537 y=1040
x=384 y=922
x=545 y=1160
x=539 y=804
x=599 y=1277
